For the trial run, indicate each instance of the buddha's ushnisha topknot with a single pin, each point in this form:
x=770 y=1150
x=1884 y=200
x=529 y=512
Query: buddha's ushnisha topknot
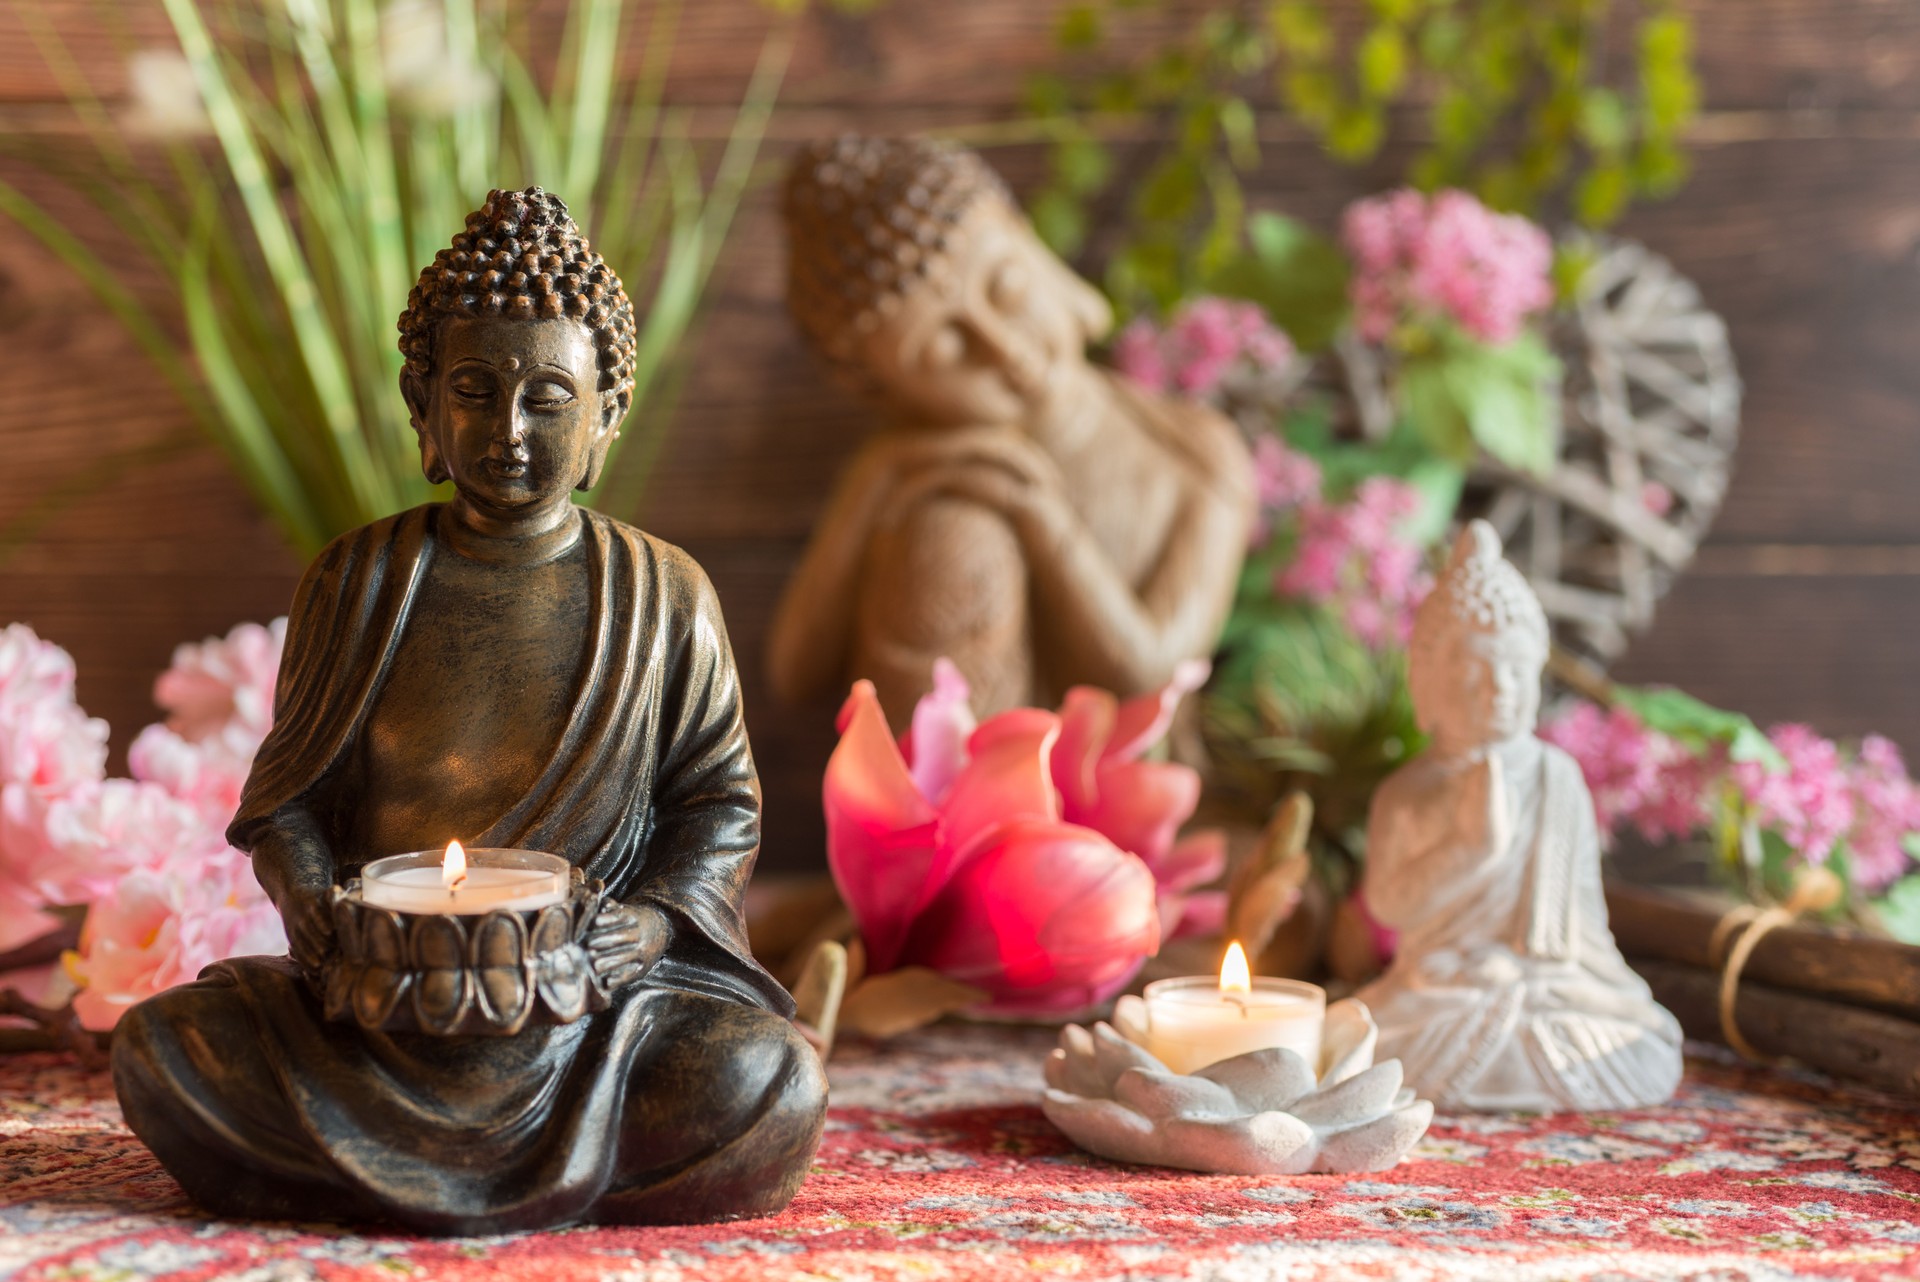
x=1481 y=595
x=866 y=218
x=522 y=257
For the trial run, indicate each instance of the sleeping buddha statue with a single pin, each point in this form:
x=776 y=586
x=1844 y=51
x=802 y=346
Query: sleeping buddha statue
x=1506 y=990
x=1034 y=517
x=509 y=670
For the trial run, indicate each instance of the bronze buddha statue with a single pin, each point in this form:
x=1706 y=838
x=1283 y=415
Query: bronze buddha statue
x=511 y=670
x=1027 y=513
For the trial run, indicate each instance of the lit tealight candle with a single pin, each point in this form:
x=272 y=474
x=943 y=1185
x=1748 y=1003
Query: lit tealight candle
x=465 y=883
x=1193 y=1022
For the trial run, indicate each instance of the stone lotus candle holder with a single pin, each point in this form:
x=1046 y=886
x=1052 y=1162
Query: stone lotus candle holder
x=1267 y=1112
x=461 y=974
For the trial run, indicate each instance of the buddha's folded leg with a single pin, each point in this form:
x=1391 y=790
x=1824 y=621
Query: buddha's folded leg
x=725 y=1104
x=196 y=1086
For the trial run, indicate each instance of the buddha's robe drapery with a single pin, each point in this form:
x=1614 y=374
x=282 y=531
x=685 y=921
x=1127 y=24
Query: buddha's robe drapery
x=260 y=1106
x=1508 y=991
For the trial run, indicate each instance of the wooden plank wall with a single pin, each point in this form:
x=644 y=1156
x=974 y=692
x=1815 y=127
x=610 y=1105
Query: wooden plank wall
x=1801 y=225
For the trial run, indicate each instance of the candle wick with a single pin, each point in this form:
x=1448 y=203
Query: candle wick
x=456 y=883
x=1236 y=999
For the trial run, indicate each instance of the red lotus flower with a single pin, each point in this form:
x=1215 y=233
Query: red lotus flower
x=1032 y=856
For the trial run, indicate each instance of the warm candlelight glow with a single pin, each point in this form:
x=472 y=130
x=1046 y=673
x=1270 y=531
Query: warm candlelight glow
x=1235 y=975
x=453 y=869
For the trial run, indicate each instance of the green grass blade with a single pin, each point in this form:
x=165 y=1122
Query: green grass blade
x=281 y=251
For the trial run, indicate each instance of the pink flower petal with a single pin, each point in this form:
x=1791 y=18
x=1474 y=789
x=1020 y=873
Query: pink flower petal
x=1143 y=722
x=1197 y=859
x=880 y=830
x=1087 y=718
x=936 y=747
x=1203 y=912
x=1048 y=918
x=1141 y=806
x=1006 y=781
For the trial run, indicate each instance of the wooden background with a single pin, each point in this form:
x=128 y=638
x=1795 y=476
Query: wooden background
x=1801 y=225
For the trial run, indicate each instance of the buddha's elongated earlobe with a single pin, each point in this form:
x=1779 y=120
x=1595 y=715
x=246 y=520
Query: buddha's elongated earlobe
x=611 y=416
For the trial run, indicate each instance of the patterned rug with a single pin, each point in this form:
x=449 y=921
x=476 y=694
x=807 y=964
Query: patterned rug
x=938 y=1165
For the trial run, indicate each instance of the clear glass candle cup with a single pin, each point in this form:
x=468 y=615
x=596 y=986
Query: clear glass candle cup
x=1191 y=1022
x=517 y=880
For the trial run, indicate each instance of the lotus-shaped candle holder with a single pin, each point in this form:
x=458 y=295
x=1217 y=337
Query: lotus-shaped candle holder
x=1264 y=1113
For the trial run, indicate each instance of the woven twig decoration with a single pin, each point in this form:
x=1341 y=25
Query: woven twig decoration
x=1649 y=425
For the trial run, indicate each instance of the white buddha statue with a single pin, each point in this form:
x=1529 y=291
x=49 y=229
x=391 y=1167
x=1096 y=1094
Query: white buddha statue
x=1507 y=991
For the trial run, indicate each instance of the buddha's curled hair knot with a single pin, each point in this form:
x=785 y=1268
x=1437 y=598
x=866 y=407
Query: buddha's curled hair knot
x=522 y=257
x=866 y=217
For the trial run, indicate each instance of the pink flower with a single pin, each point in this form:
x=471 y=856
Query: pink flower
x=32 y=670
x=1137 y=804
x=1354 y=557
x=208 y=775
x=1283 y=478
x=165 y=922
x=1808 y=803
x=1419 y=258
x=1033 y=856
x=1207 y=340
x=51 y=746
x=1637 y=776
x=1886 y=814
x=222 y=681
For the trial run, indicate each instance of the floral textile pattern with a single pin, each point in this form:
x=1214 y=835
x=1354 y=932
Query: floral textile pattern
x=1447 y=257
x=1034 y=856
x=938 y=1166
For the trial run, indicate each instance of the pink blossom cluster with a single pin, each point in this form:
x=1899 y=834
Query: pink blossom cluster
x=1207 y=339
x=51 y=753
x=1418 y=258
x=1355 y=557
x=1639 y=778
x=147 y=856
x=1819 y=801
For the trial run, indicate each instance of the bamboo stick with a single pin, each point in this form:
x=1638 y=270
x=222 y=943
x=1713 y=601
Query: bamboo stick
x=1678 y=926
x=1865 y=1046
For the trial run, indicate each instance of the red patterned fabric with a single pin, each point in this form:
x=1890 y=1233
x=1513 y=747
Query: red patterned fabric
x=937 y=1165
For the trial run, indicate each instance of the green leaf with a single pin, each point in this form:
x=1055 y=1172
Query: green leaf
x=1699 y=726
x=1237 y=127
x=1899 y=909
x=1432 y=408
x=1298 y=277
x=1382 y=62
x=1083 y=165
x=1603 y=120
x=1079 y=29
x=1060 y=219
x=1602 y=194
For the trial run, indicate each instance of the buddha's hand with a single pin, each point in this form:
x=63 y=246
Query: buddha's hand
x=625 y=941
x=301 y=887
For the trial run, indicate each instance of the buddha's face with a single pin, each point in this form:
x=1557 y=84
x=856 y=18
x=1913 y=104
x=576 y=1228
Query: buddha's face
x=1467 y=696
x=514 y=411
x=986 y=336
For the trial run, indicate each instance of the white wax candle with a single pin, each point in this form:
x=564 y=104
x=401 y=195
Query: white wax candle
x=1196 y=1021
x=422 y=882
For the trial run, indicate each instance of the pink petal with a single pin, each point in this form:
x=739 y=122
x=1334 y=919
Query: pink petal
x=1141 y=805
x=1007 y=780
x=1047 y=918
x=880 y=830
x=936 y=747
x=1204 y=912
x=1197 y=859
x=1087 y=717
x=1143 y=722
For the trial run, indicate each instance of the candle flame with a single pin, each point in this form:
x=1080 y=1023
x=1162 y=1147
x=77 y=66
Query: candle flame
x=453 y=868
x=1235 y=976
